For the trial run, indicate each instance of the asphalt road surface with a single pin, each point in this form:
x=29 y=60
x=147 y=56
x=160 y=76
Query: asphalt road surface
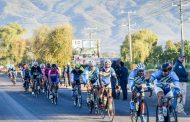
x=16 y=105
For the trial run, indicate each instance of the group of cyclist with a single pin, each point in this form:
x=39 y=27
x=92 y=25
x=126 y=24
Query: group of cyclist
x=98 y=78
x=39 y=73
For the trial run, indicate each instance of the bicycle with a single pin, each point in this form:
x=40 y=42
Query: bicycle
x=140 y=106
x=54 y=97
x=13 y=77
x=26 y=84
x=36 y=86
x=169 y=112
x=77 y=97
x=92 y=98
x=107 y=104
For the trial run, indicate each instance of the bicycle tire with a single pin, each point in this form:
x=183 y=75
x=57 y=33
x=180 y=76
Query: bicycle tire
x=157 y=120
x=101 y=111
x=80 y=101
x=134 y=117
x=146 y=115
x=172 y=112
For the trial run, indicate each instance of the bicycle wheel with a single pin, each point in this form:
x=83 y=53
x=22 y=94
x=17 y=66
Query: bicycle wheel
x=111 y=109
x=80 y=101
x=144 y=113
x=35 y=89
x=172 y=116
x=134 y=117
x=157 y=113
x=101 y=111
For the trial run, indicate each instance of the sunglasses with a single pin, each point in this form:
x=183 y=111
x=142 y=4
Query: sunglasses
x=141 y=71
x=165 y=70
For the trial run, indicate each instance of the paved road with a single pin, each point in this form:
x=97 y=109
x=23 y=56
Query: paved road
x=21 y=106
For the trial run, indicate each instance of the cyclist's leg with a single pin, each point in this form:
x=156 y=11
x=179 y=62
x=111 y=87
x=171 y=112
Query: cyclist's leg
x=110 y=98
x=96 y=96
x=101 y=91
x=132 y=104
x=88 y=93
x=160 y=94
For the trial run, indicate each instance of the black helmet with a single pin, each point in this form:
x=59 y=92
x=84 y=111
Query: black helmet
x=53 y=66
x=48 y=65
x=166 y=67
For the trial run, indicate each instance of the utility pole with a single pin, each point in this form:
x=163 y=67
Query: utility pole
x=91 y=32
x=129 y=35
x=180 y=5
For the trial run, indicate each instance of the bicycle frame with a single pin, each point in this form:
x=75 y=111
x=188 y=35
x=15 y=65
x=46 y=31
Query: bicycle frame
x=167 y=102
x=140 y=105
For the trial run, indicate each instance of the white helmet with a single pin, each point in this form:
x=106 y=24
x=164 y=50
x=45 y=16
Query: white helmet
x=35 y=63
x=42 y=66
x=91 y=63
x=140 y=66
x=107 y=61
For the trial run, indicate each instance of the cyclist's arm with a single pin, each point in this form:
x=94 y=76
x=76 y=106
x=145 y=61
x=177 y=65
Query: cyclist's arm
x=131 y=79
x=72 y=78
x=175 y=80
x=113 y=74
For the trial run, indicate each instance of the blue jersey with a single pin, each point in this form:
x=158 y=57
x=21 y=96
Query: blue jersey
x=135 y=80
x=164 y=81
x=91 y=76
x=105 y=76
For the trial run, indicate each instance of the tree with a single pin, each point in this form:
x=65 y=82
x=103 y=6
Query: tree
x=38 y=41
x=156 y=55
x=171 y=51
x=55 y=45
x=143 y=42
x=10 y=36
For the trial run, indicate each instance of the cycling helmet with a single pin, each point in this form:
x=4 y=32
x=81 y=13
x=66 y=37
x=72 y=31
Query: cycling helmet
x=166 y=67
x=53 y=66
x=91 y=63
x=77 y=66
x=140 y=66
x=48 y=65
x=35 y=63
x=107 y=61
x=42 y=66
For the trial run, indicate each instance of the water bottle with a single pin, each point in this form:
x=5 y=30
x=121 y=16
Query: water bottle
x=132 y=105
x=164 y=110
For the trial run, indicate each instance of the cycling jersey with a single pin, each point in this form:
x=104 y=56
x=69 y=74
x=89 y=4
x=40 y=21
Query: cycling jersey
x=162 y=83
x=26 y=74
x=46 y=71
x=91 y=76
x=35 y=71
x=105 y=77
x=135 y=80
x=76 y=76
x=54 y=75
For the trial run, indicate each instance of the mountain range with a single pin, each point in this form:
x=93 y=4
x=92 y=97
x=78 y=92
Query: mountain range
x=107 y=19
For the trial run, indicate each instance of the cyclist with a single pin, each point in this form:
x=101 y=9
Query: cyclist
x=12 y=73
x=35 y=73
x=53 y=76
x=106 y=72
x=75 y=79
x=91 y=74
x=136 y=78
x=45 y=72
x=26 y=75
x=162 y=79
